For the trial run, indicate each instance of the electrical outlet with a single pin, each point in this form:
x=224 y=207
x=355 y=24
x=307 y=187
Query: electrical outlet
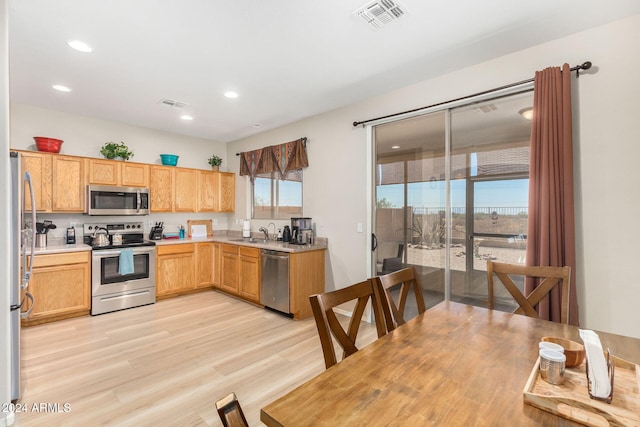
x=149 y=224
x=215 y=222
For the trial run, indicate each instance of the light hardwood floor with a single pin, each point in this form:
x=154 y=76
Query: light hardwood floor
x=166 y=364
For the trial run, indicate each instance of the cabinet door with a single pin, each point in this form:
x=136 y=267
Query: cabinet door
x=175 y=269
x=135 y=174
x=227 y=192
x=161 y=188
x=207 y=191
x=229 y=261
x=204 y=264
x=249 y=281
x=61 y=286
x=68 y=184
x=104 y=172
x=217 y=258
x=185 y=189
x=39 y=167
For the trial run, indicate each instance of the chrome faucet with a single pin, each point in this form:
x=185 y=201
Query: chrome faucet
x=274 y=229
x=265 y=231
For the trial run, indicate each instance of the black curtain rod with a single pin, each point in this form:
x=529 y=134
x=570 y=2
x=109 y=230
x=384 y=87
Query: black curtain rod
x=304 y=141
x=584 y=66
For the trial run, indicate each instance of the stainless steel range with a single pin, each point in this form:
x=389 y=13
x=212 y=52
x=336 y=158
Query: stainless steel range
x=123 y=270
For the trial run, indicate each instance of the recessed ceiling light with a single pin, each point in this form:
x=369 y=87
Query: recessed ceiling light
x=79 y=46
x=61 y=88
x=257 y=125
x=395 y=147
x=527 y=113
x=186 y=117
x=230 y=94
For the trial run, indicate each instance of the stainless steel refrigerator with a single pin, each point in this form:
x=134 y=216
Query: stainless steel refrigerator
x=22 y=234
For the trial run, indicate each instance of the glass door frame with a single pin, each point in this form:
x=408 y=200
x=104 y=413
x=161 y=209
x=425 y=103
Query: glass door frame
x=371 y=165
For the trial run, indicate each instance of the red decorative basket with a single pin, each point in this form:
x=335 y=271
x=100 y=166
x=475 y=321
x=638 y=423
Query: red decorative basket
x=50 y=145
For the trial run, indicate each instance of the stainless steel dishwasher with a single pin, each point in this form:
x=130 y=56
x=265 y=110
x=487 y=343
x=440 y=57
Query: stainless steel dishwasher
x=274 y=287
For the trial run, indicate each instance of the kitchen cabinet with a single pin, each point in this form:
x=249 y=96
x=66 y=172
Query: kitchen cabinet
x=185 y=193
x=173 y=189
x=226 y=192
x=58 y=181
x=117 y=172
x=216 y=191
x=306 y=278
x=249 y=274
x=217 y=256
x=61 y=287
x=205 y=265
x=161 y=188
x=175 y=269
x=68 y=184
x=229 y=266
x=39 y=167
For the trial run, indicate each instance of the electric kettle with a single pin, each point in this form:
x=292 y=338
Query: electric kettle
x=286 y=234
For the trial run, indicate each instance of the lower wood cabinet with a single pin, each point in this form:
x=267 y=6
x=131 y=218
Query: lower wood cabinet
x=306 y=278
x=249 y=276
x=175 y=269
x=205 y=252
x=229 y=268
x=61 y=287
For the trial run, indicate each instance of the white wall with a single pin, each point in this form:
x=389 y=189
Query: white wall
x=606 y=147
x=5 y=278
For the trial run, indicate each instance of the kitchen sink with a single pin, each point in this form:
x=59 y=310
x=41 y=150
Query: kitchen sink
x=249 y=240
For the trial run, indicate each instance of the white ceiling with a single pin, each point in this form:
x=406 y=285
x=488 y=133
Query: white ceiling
x=287 y=59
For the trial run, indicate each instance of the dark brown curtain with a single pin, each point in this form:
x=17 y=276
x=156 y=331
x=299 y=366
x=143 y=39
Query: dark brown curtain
x=280 y=158
x=551 y=231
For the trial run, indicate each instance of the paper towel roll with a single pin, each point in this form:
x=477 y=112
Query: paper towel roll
x=246 y=228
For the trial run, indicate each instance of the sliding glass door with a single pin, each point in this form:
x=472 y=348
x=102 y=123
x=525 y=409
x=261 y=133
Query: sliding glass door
x=446 y=201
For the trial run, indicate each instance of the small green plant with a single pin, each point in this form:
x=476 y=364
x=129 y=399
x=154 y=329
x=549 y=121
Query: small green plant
x=111 y=150
x=215 y=160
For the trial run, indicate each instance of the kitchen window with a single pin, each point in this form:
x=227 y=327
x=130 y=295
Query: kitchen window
x=275 y=198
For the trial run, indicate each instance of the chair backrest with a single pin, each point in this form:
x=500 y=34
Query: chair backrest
x=230 y=411
x=394 y=311
x=550 y=277
x=328 y=323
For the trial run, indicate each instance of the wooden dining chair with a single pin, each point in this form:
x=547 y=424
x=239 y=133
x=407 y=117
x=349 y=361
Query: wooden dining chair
x=549 y=278
x=328 y=324
x=230 y=411
x=392 y=310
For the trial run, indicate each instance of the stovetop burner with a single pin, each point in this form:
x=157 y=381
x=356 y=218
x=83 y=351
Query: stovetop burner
x=124 y=245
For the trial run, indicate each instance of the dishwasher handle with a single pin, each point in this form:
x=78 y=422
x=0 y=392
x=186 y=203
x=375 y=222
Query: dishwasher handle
x=274 y=254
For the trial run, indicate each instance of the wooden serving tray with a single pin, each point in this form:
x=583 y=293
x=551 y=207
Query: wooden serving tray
x=571 y=400
x=206 y=222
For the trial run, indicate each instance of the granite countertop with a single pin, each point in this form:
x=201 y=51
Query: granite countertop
x=59 y=247
x=320 y=244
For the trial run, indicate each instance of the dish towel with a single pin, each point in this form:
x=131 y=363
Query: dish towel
x=125 y=262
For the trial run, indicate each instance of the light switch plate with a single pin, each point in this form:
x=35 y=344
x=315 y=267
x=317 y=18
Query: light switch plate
x=359 y=227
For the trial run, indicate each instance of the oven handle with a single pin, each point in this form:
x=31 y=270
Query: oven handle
x=136 y=251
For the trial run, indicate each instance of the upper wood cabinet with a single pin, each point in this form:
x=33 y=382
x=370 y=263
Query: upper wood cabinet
x=226 y=192
x=39 y=167
x=161 y=188
x=186 y=184
x=117 y=172
x=58 y=181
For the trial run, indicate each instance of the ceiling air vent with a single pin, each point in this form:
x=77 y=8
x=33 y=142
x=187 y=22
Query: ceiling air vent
x=380 y=12
x=172 y=103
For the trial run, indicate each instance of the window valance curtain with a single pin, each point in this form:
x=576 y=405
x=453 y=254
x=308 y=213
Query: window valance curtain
x=280 y=158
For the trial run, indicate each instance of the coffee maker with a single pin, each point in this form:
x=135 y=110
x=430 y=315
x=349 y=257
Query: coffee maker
x=301 y=231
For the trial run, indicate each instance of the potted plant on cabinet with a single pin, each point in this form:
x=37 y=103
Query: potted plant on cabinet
x=215 y=162
x=111 y=150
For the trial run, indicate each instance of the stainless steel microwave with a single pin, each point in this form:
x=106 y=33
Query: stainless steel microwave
x=110 y=200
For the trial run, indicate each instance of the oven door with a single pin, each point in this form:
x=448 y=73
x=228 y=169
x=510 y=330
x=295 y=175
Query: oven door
x=105 y=279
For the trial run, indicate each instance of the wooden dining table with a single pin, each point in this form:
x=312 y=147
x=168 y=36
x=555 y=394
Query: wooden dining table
x=455 y=364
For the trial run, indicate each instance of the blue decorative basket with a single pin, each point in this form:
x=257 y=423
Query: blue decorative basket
x=169 y=159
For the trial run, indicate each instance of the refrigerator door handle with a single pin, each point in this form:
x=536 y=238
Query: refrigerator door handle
x=26 y=314
x=27 y=273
